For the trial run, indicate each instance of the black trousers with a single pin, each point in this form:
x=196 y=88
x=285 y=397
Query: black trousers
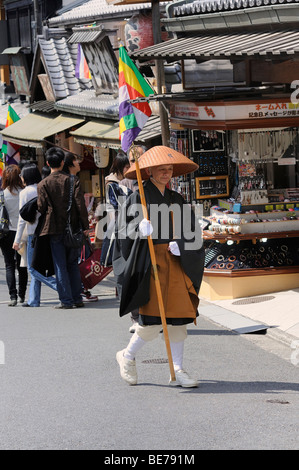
x=12 y=264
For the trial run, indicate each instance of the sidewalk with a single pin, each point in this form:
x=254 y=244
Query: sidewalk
x=278 y=310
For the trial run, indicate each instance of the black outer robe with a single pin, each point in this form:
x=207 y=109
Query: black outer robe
x=131 y=257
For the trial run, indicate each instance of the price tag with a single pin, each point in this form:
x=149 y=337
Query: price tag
x=290 y=206
x=279 y=207
x=269 y=208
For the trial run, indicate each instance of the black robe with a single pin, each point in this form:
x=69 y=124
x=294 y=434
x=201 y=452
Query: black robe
x=131 y=257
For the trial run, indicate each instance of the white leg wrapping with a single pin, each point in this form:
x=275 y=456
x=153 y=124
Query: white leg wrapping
x=133 y=347
x=177 y=352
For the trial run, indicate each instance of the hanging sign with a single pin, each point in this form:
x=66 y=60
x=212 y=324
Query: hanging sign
x=232 y=112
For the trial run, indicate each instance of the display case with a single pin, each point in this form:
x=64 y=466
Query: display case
x=207 y=187
x=250 y=254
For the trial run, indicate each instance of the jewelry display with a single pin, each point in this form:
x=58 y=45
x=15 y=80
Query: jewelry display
x=245 y=255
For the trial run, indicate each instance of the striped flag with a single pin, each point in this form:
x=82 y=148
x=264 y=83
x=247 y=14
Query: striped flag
x=82 y=69
x=132 y=116
x=11 y=150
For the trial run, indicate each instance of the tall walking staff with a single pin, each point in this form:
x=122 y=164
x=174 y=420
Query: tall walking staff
x=132 y=119
x=154 y=266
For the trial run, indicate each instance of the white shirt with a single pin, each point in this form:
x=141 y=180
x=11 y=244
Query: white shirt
x=11 y=202
x=26 y=195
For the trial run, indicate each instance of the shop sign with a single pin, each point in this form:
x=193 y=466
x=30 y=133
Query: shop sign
x=227 y=112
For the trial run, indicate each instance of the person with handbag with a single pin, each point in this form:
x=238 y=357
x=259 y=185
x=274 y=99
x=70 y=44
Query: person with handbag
x=31 y=176
x=60 y=199
x=72 y=167
x=114 y=192
x=12 y=186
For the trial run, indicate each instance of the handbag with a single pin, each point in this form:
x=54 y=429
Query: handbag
x=91 y=270
x=4 y=218
x=29 y=210
x=72 y=238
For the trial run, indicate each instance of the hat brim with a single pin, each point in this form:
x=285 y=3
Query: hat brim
x=161 y=155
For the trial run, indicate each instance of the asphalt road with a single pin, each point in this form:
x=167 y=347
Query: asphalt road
x=61 y=389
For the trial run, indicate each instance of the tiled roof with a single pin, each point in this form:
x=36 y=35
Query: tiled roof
x=87 y=103
x=60 y=59
x=197 y=7
x=262 y=44
x=93 y=10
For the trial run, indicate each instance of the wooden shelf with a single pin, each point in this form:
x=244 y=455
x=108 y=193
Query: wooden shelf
x=207 y=235
x=231 y=273
x=210 y=178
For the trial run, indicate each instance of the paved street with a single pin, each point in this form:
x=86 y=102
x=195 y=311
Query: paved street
x=61 y=389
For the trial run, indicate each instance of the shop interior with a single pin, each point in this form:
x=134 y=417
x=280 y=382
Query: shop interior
x=247 y=188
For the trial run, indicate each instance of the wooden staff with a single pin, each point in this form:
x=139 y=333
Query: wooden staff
x=154 y=265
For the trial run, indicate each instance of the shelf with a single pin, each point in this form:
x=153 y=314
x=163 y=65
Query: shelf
x=199 y=186
x=250 y=272
x=207 y=235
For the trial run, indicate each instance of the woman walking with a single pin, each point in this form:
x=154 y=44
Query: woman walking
x=114 y=192
x=12 y=186
x=179 y=261
x=31 y=177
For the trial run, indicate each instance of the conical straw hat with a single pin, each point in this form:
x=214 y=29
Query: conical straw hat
x=161 y=155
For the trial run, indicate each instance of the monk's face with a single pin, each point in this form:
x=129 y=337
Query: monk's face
x=161 y=174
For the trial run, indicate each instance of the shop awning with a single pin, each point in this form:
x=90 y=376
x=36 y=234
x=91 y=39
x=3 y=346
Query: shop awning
x=261 y=44
x=31 y=130
x=103 y=133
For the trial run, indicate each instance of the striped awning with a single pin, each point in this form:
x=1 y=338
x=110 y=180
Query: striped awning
x=262 y=44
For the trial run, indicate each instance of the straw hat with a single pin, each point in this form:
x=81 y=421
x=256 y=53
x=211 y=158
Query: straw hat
x=161 y=155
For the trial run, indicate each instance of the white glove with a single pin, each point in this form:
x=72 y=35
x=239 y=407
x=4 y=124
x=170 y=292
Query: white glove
x=145 y=228
x=174 y=248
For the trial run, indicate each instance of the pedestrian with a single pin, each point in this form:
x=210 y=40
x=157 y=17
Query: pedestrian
x=12 y=186
x=180 y=263
x=31 y=176
x=71 y=164
x=53 y=200
x=115 y=194
x=46 y=170
x=133 y=185
x=129 y=183
x=72 y=167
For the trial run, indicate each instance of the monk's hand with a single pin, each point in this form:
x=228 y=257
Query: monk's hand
x=174 y=249
x=145 y=228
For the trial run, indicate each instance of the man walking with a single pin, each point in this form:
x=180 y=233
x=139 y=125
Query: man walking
x=53 y=199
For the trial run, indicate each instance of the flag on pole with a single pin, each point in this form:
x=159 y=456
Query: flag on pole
x=10 y=150
x=132 y=116
x=82 y=69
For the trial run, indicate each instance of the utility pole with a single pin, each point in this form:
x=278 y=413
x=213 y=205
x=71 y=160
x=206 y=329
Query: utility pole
x=36 y=19
x=160 y=72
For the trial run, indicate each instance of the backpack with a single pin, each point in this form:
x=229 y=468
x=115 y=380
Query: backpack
x=4 y=219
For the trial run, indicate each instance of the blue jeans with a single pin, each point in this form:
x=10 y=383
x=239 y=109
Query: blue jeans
x=37 y=279
x=67 y=271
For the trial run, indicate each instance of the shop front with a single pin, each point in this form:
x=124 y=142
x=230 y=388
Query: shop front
x=247 y=189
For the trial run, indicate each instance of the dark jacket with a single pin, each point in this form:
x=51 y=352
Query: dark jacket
x=131 y=258
x=53 y=198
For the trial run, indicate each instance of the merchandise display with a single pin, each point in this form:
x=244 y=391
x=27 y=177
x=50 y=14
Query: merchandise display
x=256 y=229
x=253 y=222
x=266 y=253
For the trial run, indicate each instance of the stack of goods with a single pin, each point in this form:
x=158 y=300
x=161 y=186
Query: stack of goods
x=245 y=255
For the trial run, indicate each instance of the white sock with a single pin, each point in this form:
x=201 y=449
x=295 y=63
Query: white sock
x=133 y=347
x=177 y=351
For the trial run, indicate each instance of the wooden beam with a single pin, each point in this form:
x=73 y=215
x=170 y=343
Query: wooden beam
x=160 y=72
x=264 y=71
